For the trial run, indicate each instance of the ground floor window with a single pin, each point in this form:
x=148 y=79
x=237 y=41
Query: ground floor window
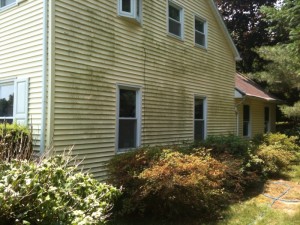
x=129 y=107
x=6 y=102
x=14 y=101
x=246 y=120
x=199 y=119
x=267 y=120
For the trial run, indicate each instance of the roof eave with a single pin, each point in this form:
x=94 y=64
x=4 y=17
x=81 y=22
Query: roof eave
x=225 y=30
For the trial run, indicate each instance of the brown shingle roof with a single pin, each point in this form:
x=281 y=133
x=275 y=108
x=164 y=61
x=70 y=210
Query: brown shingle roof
x=248 y=87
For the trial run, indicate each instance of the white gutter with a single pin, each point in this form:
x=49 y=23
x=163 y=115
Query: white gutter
x=44 y=75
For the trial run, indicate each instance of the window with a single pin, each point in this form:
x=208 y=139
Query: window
x=175 y=20
x=199 y=119
x=13 y=101
x=128 y=118
x=6 y=102
x=130 y=8
x=267 y=120
x=246 y=120
x=200 y=32
x=7 y=3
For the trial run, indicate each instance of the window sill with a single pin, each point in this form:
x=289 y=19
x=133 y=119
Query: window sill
x=8 y=7
x=175 y=37
x=200 y=46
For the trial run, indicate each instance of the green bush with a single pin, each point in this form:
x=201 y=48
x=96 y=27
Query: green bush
x=232 y=144
x=15 y=142
x=274 y=153
x=172 y=183
x=51 y=192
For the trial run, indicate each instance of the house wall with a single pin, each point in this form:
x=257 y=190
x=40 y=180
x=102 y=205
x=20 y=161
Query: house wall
x=257 y=108
x=95 y=49
x=21 y=52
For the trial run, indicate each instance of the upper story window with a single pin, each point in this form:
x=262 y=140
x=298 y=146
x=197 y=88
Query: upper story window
x=7 y=3
x=200 y=32
x=175 y=20
x=130 y=8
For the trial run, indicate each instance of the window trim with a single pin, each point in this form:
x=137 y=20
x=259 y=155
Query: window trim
x=204 y=114
x=133 y=13
x=8 y=6
x=138 y=90
x=181 y=10
x=204 y=21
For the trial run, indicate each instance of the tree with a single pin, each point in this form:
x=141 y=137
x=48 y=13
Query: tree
x=282 y=73
x=248 y=29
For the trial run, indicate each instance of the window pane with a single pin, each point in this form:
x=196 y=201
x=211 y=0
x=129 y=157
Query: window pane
x=138 y=8
x=6 y=100
x=199 y=130
x=126 y=6
x=127 y=103
x=127 y=133
x=7 y=2
x=199 y=109
x=200 y=39
x=246 y=128
x=174 y=13
x=10 y=121
x=199 y=26
x=246 y=113
x=267 y=114
x=174 y=27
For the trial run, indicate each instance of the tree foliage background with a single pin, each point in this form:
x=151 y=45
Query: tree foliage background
x=267 y=34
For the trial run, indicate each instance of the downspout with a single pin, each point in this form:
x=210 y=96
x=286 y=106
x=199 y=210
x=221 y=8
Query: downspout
x=44 y=75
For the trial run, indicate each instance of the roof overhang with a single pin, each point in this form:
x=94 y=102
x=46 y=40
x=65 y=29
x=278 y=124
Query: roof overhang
x=238 y=94
x=225 y=30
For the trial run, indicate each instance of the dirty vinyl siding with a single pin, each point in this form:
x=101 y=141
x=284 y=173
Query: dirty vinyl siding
x=95 y=50
x=21 y=53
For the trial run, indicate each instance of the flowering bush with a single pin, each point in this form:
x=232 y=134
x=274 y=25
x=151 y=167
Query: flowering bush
x=51 y=192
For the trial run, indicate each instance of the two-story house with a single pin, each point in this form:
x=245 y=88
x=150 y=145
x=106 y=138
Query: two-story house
x=110 y=75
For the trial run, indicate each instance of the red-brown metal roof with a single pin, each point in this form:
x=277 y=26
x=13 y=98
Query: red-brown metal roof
x=248 y=87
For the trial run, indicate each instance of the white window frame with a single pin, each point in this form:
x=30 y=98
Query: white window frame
x=20 y=111
x=205 y=24
x=133 y=14
x=204 y=115
x=2 y=8
x=138 y=116
x=181 y=13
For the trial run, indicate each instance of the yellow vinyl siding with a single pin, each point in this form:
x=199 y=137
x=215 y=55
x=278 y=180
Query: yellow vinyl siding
x=257 y=115
x=95 y=50
x=21 y=52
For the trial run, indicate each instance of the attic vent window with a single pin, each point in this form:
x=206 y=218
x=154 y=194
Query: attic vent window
x=5 y=4
x=130 y=9
x=200 y=32
x=175 y=20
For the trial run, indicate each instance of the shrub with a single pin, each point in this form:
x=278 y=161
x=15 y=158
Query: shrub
x=15 y=142
x=182 y=185
x=274 y=152
x=50 y=192
x=274 y=158
x=174 y=183
x=232 y=144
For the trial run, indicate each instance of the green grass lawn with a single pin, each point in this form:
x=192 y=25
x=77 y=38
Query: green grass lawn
x=254 y=211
